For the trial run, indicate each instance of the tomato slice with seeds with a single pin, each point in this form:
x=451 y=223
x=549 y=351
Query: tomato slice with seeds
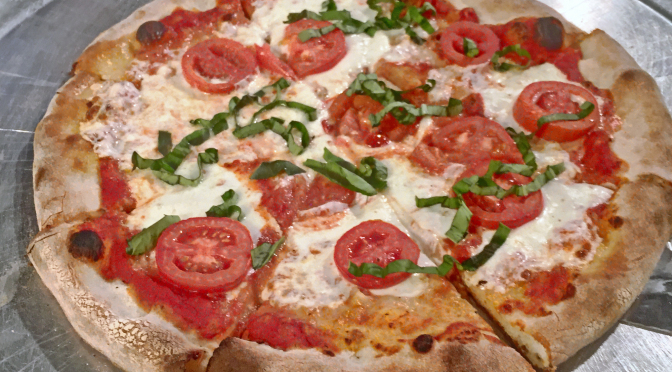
x=513 y=211
x=551 y=97
x=376 y=242
x=452 y=43
x=270 y=62
x=216 y=65
x=317 y=54
x=204 y=254
x=475 y=138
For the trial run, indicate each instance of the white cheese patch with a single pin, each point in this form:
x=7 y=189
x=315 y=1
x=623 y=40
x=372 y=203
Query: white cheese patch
x=308 y=275
x=551 y=154
x=500 y=90
x=406 y=181
x=187 y=202
x=528 y=248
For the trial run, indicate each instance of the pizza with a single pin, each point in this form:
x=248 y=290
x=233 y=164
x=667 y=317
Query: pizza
x=350 y=185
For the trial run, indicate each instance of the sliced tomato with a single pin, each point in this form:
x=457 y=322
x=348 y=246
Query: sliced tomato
x=429 y=158
x=216 y=65
x=282 y=198
x=469 y=15
x=317 y=54
x=204 y=254
x=452 y=43
x=270 y=62
x=374 y=242
x=513 y=211
x=469 y=140
x=322 y=191
x=550 y=97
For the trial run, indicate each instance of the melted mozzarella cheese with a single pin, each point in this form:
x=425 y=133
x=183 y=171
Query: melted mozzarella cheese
x=501 y=89
x=406 y=182
x=551 y=154
x=187 y=202
x=308 y=275
x=411 y=287
x=528 y=248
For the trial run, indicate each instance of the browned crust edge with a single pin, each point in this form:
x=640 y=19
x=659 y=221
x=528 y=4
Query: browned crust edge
x=609 y=285
x=236 y=355
x=57 y=201
x=134 y=341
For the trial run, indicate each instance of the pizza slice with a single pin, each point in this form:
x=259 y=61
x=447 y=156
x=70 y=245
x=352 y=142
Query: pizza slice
x=316 y=315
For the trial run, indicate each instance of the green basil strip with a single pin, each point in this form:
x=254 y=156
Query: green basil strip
x=444 y=201
x=539 y=181
x=454 y=107
x=305 y=14
x=489 y=250
x=264 y=252
x=370 y=169
x=172 y=161
x=228 y=208
x=311 y=112
x=145 y=240
x=507 y=66
x=586 y=109
x=257 y=128
x=217 y=124
x=306 y=35
x=275 y=124
x=341 y=176
x=460 y=225
x=210 y=156
x=484 y=186
x=470 y=48
x=402 y=266
x=270 y=169
x=165 y=142
x=521 y=140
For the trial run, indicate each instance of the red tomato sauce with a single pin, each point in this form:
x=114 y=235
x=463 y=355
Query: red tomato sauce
x=542 y=288
x=521 y=31
x=188 y=311
x=183 y=25
x=115 y=194
x=281 y=331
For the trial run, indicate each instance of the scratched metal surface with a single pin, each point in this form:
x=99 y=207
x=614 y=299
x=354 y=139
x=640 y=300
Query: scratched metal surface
x=39 y=39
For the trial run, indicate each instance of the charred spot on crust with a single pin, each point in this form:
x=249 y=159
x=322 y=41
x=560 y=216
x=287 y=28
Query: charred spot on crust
x=150 y=32
x=86 y=243
x=549 y=33
x=616 y=222
x=423 y=343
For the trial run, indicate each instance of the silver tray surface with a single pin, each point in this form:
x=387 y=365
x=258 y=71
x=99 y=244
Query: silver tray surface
x=39 y=40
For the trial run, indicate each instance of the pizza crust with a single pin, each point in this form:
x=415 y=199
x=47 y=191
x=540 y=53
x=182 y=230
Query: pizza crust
x=607 y=287
x=66 y=186
x=236 y=355
x=135 y=341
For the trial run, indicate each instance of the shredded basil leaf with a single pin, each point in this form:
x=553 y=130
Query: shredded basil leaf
x=275 y=124
x=367 y=179
x=228 y=208
x=343 y=20
x=489 y=250
x=402 y=266
x=586 y=109
x=460 y=225
x=507 y=66
x=270 y=169
x=165 y=142
x=470 y=48
x=209 y=156
x=145 y=240
x=523 y=144
x=263 y=253
x=395 y=104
